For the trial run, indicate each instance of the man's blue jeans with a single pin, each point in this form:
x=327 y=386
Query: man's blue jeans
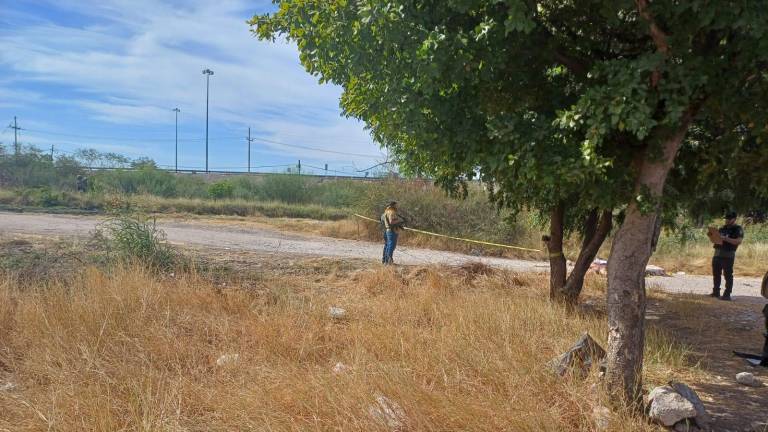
x=390 y=242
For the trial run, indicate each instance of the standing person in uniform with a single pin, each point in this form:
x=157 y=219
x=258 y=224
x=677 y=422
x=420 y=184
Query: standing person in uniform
x=725 y=254
x=391 y=222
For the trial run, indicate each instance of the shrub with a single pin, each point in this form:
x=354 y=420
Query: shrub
x=34 y=168
x=340 y=193
x=221 y=189
x=244 y=187
x=288 y=188
x=134 y=238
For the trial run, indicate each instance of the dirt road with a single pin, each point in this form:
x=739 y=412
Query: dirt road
x=266 y=239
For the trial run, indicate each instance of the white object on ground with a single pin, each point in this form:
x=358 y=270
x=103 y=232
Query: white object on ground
x=340 y=367
x=653 y=270
x=336 y=312
x=227 y=359
x=389 y=413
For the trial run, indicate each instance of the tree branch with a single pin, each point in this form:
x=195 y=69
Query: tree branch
x=657 y=34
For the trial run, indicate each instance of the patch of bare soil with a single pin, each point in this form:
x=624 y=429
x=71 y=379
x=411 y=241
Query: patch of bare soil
x=713 y=329
x=32 y=257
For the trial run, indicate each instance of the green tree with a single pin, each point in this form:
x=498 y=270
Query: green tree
x=221 y=189
x=565 y=107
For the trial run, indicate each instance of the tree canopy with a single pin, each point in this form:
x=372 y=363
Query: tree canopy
x=587 y=102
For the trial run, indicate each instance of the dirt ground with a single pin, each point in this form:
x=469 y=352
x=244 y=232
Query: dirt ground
x=256 y=237
x=711 y=328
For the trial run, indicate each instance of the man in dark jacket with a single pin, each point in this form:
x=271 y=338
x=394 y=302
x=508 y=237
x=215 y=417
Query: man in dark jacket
x=731 y=236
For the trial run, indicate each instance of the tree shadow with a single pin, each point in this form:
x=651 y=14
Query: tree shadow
x=713 y=329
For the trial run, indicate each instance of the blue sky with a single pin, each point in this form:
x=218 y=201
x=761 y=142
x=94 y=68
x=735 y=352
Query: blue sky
x=107 y=74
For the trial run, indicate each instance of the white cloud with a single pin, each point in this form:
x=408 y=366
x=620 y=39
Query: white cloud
x=144 y=57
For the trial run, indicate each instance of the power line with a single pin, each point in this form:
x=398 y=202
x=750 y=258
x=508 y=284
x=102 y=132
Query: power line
x=264 y=140
x=330 y=170
x=314 y=148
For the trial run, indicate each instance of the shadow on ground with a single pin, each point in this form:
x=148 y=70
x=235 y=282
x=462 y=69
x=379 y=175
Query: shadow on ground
x=713 y=329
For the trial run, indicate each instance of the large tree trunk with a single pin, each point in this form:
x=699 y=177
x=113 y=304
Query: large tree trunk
x=626 y=272
x=557 y=264
x=596 y=232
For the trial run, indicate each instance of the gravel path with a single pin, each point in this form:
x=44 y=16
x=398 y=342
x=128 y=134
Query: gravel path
x=264 y=239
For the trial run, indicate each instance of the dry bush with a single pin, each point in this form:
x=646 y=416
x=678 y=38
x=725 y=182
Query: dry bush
x=135 y=351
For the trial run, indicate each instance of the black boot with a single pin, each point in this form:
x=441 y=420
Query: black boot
x=715 y=293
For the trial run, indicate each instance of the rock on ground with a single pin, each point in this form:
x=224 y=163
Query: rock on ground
x=703 y=419
x=686 y=426
x=580 y=357
x=668 y=407
x=748 y=379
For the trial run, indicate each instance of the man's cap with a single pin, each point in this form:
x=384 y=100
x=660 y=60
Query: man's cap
x=730 y=215
x=392 y=204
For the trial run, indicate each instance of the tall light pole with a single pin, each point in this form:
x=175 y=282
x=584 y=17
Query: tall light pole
x=177 y=111
x=207 y=73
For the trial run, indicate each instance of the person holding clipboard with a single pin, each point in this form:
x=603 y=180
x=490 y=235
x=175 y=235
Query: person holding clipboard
x=725 y=241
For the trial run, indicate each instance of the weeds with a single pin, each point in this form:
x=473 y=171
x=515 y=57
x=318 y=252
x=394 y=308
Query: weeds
x=137 y=239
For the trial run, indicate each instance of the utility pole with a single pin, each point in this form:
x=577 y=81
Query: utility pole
x=326 y=170
x=299 y=166
x=16 y=130
x=177 y=111
x=207 y=73
x=51 y=153
x=249 y=149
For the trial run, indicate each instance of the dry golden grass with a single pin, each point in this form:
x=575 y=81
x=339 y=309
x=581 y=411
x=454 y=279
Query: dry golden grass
x=458 y=349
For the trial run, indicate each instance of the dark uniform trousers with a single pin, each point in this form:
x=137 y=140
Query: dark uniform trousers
x=722 y=265
x=725 y=255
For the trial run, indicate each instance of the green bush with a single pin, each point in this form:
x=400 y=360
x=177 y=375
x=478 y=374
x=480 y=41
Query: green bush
x=340 y=193
x=148 y=180
x=133 y=238
x=33 y=169
x=287 y=188
x=221 y=189
x=245 y=187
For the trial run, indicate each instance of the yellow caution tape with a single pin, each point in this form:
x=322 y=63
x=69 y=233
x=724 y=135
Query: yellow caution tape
x=455 y=238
